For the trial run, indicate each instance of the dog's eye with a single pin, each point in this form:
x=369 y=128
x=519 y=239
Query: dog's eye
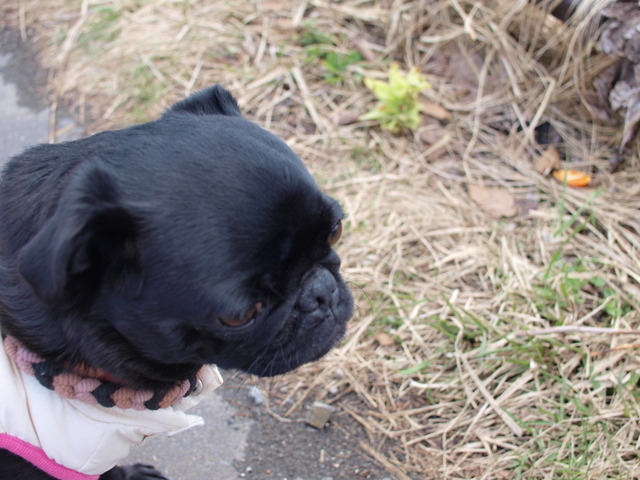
x=245 y=319
x=335 y=234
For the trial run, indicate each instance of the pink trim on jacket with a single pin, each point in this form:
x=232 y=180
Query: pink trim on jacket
x=38 y=458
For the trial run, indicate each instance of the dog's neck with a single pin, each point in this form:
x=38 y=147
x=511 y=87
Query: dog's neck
x=95 y=386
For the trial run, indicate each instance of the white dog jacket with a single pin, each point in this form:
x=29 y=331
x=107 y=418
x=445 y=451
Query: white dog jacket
x=73 y=440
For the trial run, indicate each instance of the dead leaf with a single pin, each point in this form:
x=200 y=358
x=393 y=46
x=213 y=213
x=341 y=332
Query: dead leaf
x=598 y=102
x=347 y=118
x=384 y=339
x=627 y=85
x=496 y=202
x=548 y=161
x=619 y=86
x=621 y=37
x=632 y=118
x=572 y=177
x=434 y=110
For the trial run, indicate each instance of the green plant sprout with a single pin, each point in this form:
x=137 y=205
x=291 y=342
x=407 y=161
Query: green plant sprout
x=337 y=64
x=320 y=46
x=398 y=108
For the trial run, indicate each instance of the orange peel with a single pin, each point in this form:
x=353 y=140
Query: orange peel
x=572 y=177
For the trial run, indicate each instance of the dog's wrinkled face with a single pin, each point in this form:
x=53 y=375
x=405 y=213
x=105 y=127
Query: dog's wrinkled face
x=198 y=238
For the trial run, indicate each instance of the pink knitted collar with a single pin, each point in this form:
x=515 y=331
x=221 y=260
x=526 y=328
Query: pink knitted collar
x=94 y=386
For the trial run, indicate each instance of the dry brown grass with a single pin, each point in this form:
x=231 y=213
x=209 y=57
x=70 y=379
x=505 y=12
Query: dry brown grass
x=515 y=341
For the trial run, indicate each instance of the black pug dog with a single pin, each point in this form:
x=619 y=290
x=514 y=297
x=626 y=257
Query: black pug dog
x=132 y=261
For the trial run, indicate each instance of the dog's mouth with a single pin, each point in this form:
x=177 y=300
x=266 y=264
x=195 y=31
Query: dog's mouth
x=290 y=355
x=314 y=324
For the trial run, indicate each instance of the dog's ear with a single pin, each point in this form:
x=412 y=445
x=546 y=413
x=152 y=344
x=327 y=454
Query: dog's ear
x=91 y=239
x=214 y=100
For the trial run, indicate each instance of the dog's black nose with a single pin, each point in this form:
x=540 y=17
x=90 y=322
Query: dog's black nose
x=319 y=291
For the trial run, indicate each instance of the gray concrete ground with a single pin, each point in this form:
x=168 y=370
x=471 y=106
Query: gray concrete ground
x=239 y=439
x=24 y=117
x=200 y=451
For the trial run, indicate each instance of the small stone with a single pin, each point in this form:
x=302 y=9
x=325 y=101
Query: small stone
x=547 y=162
x=319 y=414
x=256 y=395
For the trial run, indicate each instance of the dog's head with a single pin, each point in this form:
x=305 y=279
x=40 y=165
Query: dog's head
x=198 y=238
